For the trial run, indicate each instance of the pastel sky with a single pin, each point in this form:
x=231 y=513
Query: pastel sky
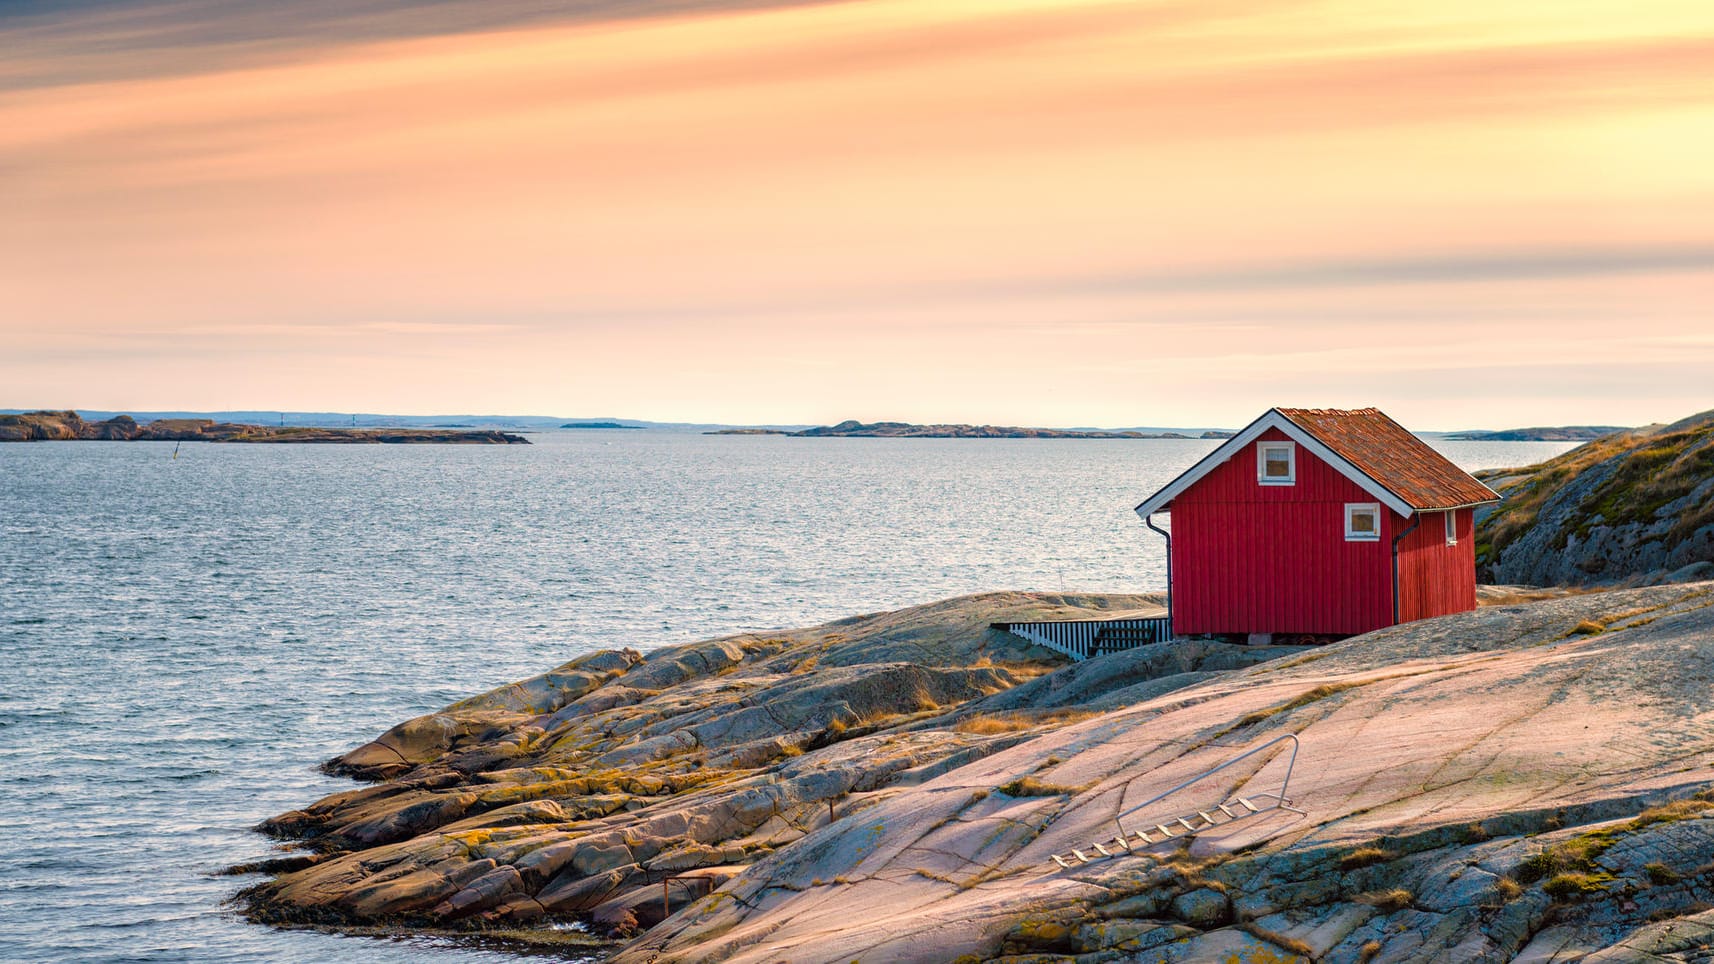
x=1044 y=212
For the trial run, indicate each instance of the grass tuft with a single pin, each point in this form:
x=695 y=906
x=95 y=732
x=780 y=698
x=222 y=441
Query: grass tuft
x=1576 y=855
x=1303 y=699
x=1364 y=857
x=1279 y=940
x=1031 y=787
x=1670 y=813
x=1386 y=900
x=1659 y=873
x=988 y=725
x=1569 y=885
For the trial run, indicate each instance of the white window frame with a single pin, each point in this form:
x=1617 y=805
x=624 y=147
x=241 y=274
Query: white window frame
x=1262 y=477
x=1353 y=509
x=1451 y=526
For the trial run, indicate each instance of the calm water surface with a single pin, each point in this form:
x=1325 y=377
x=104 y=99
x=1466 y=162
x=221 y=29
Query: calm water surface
x=182 y=640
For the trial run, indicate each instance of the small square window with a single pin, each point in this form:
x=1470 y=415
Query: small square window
x=1362 y=521
x=1276 y=463
x=1451 y=527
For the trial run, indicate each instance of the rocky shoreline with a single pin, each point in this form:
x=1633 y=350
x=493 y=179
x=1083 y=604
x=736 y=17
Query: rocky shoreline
x=70 y=427
x=1526 y=779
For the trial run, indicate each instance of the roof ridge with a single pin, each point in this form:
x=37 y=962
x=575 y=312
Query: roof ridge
x=1366 y=410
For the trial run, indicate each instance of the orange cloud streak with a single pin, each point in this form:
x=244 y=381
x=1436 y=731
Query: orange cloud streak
x=751 y=191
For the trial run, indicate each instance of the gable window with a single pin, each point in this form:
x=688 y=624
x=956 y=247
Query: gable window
x=1276 y=463
x=1451 y=527
x=1362 y=521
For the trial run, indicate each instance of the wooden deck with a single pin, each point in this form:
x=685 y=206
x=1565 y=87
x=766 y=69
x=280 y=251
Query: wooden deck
x=1083 y=638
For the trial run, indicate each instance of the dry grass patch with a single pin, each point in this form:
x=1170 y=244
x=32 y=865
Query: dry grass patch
x=1279 y=940
x=1032 y=787
x=1576 y=855
x=1368 y=952
x=1365 y=857
x=1594 y=627
x=1659 y=873
x=1507 y=889
x=1193 y=870
x=1025 y=670
x=988 y=724
x=1303 y=699
x=984 y=724
x=1519 y=596
x=1566 y=886
x=1386 y=900
x=1068 y=717
x=1671 y=812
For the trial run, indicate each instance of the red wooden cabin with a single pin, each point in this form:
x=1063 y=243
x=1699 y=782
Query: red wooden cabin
x=1318 y=522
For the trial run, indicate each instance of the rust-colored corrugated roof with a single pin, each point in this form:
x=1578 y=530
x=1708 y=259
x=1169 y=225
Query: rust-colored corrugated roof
x=1384 y=451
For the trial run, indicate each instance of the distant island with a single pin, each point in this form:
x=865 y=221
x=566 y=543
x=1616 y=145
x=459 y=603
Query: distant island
x=598 y=425
x=1561 y=433
x=852 y=428
x=69 y=426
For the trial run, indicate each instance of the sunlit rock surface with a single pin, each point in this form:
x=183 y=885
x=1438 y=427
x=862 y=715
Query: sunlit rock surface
x=1517 y=783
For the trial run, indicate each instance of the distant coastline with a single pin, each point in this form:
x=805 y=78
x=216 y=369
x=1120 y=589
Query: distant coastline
x=852 y=428
x=1561 y=433
x=70 y=427
x=261 y=426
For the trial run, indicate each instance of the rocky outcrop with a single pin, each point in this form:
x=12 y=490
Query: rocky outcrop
x=1635 y=507
x=70 y=427
x=1512 y=783
x=573 y=793
x=1517 y=783
x=41 y=427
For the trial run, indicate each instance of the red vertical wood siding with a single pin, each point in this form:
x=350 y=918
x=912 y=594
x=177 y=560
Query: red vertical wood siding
x=1252 y=558
x=1436 y=579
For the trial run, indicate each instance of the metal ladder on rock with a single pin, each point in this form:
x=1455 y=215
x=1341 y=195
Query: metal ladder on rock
x=1233 y=809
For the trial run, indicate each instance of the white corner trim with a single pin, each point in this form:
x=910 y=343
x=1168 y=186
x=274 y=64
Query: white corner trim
x=1272 y=419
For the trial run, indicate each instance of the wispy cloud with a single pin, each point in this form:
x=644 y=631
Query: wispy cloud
x=77 y=41
x=1457 y=268
x=834 y=199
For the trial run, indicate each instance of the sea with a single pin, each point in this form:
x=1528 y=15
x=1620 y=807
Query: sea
x=185 y=636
